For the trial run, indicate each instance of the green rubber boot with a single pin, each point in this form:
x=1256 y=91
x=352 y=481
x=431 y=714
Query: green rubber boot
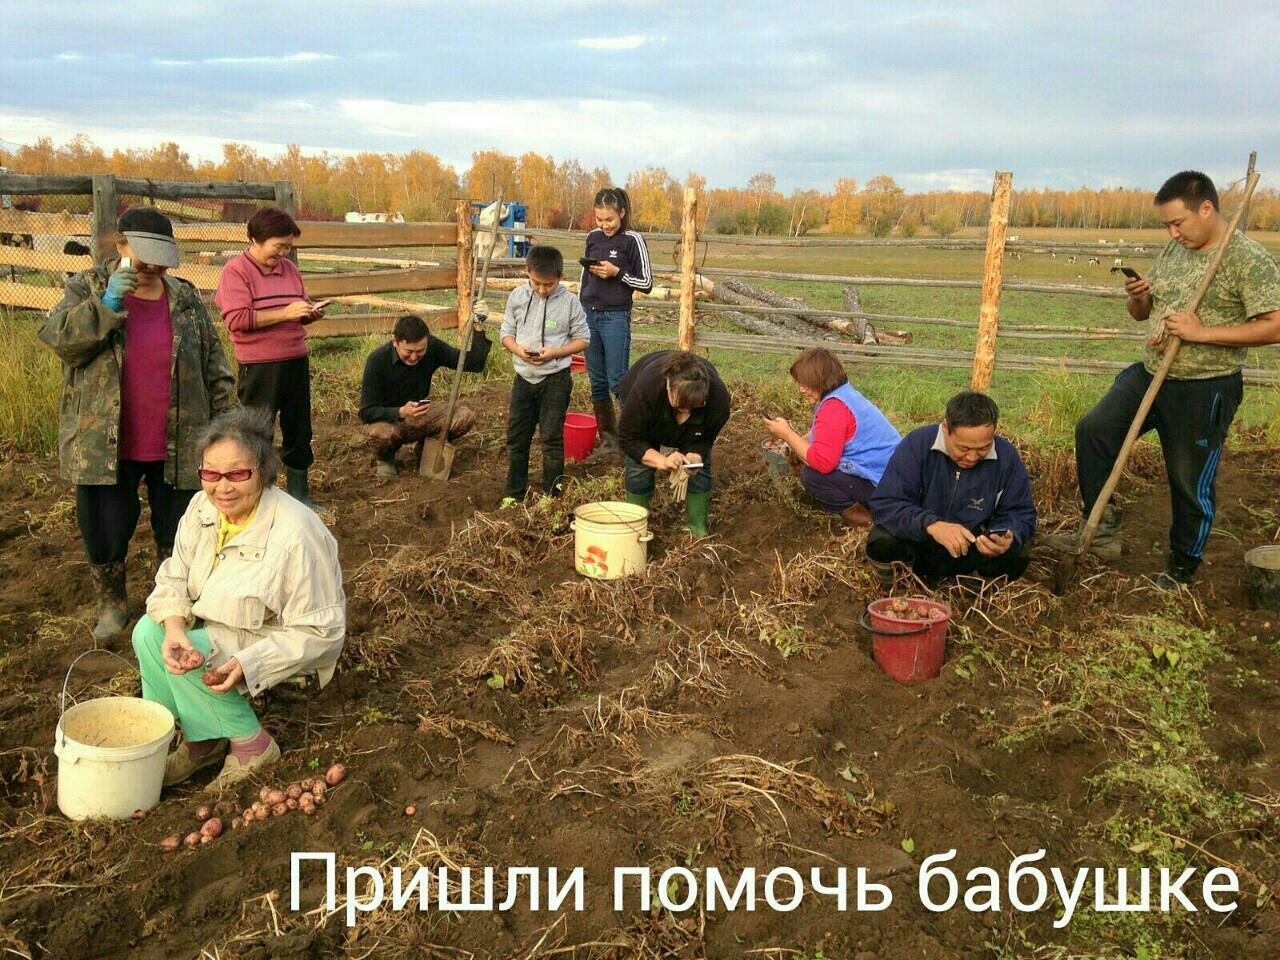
x=696 y=507
x=639 y=499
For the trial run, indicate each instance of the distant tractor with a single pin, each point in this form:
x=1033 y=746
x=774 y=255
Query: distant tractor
x=513 y=218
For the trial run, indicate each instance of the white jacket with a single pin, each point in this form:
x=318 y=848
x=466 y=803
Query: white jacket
x=275 y=599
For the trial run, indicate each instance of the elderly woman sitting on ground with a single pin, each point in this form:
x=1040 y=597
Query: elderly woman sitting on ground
x=251 y=597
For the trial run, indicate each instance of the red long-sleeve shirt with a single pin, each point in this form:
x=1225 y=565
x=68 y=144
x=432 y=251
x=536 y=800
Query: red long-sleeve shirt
x=833 y=427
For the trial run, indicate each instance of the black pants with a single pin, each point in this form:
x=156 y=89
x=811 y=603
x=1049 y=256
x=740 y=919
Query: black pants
x=108 y=515
x=283 y=387
x=928 y=558
x=1191 y=418
x=543 y=406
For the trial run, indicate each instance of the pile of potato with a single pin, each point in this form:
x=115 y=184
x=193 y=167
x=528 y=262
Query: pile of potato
x=305 y=795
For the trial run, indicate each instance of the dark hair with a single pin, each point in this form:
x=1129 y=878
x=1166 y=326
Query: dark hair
x=271 y=222
x=1191 y=187
x=410 y=328
x=545 y=261
x=615 y=198
x=687 y=376
x=971 y=409
x=819 y=369
x=252 y=428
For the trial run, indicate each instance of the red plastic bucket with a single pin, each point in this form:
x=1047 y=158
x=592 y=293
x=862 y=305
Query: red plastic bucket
x=577 y=363
x=579 y=435
x=910 y=651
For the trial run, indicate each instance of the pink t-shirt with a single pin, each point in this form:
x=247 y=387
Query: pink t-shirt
x=145 y=381
x=247 y=287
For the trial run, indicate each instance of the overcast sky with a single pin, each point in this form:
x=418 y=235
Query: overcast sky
x=936 y=94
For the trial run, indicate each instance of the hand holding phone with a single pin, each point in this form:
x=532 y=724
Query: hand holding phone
x=321 y=304
x=1129 y=272
x=587 y=264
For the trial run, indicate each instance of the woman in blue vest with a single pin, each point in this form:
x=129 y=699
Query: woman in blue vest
x=845 y=452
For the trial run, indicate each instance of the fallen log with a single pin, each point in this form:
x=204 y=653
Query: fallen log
x=728 y=291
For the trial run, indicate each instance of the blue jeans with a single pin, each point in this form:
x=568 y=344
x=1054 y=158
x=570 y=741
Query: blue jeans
x=609 y=352
x=637 y=478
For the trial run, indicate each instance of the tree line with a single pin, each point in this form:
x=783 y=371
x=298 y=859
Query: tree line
x=559 y=193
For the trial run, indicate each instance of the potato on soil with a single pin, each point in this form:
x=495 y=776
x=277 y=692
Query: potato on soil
x=336 y=774
x=171 y=843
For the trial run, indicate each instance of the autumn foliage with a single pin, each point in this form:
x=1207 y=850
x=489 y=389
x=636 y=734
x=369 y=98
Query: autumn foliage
x=558 y=193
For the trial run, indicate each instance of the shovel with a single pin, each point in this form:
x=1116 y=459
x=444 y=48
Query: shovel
x=1067 y=567
x=437 y=454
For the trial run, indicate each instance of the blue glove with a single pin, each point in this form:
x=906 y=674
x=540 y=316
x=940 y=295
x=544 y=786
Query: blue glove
x=124 y=280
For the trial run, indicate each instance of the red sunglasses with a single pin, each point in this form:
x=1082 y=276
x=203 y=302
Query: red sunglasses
x=235 y=476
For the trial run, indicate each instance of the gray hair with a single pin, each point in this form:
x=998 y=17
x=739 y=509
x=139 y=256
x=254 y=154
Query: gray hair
x=252 y=428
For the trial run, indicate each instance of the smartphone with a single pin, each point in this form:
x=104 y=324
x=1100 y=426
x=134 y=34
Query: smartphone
x=1129 y=272
x=126 y=262
x=321 y=304
x=587 y=263
x=534 y=353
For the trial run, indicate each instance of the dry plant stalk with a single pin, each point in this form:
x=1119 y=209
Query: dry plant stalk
x=450 y=726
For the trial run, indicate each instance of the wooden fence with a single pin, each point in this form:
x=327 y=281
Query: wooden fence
x=35 y=244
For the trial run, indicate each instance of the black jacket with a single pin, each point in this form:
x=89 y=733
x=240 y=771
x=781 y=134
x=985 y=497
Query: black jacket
x=389 y=383
x=648 y=420
x=626 y=250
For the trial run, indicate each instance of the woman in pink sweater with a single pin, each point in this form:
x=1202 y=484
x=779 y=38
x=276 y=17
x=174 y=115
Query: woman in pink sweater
x=265 y=308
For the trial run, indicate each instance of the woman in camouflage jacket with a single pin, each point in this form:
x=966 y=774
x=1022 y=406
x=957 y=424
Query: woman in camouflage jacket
x=119 y=329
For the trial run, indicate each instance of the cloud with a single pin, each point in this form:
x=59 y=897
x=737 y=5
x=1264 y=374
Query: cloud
x=69 y=55
x=629 y=42
x=305 y=56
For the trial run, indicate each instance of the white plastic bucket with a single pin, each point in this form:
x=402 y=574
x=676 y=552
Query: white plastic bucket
x=111 y=753
x=610 y=539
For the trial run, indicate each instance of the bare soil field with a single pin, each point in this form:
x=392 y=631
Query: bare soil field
x=721 y=710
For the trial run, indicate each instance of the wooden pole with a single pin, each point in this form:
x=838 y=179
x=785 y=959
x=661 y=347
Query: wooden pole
x=1244 y=220
x=104 y=216
x=466 y=262
x=984 y=354
x=688 y=263
x=285 y=201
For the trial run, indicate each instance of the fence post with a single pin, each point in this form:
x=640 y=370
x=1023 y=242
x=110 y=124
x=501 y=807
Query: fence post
x=466 y=262
x=285 y=201
x=104 y=216
x=688 y=263
x=984 y=354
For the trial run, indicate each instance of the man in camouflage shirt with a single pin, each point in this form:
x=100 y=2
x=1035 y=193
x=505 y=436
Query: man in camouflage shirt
x=1195 y=406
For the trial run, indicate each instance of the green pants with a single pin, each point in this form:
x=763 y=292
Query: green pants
x=202 y=714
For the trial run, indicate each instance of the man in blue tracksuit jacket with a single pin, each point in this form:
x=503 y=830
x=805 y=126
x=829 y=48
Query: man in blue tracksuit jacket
x=955 y=499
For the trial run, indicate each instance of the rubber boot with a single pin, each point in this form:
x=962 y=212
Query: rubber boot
x=696 y=508
x=113 y=603
x=296 y=486
x=607 y=428
x=639 y=499
x=1106 y=543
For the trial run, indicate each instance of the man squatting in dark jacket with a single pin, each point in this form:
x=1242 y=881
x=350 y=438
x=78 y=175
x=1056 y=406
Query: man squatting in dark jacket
x=954 y=499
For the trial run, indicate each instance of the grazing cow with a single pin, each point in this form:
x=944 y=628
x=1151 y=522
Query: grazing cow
x=1052 y=255
x=1071 y=259
x=1139 y=249
x=1119 y=262
x=1095 y=262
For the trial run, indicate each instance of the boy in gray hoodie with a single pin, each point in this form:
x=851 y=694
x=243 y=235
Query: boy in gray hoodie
x=543 y=326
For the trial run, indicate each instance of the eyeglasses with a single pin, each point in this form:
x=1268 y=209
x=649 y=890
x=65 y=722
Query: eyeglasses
x=235 y=476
